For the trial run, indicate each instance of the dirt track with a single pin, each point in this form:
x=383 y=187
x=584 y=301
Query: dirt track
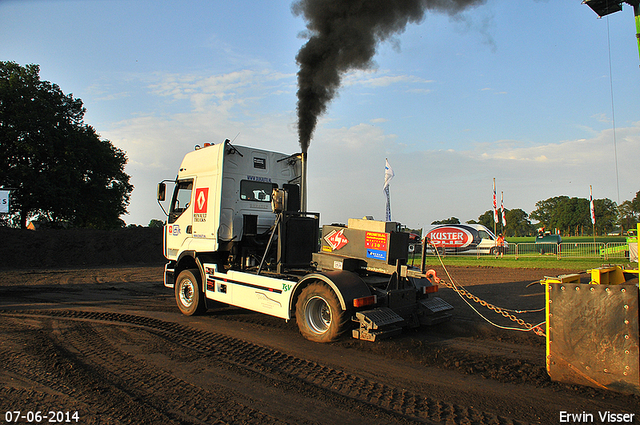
x=110 y=344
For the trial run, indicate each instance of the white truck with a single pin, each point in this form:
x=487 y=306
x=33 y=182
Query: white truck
x=235 y=234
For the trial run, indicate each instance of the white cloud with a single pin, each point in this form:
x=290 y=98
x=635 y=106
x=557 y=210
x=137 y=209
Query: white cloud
x=225 y=89
x=589 y=152
x=436 y=184
x=375 y=78
x=346 y=164
x=219 y=107
x=419 y=91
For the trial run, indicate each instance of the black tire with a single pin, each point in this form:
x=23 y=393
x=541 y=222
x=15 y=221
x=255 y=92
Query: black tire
x=319 y=315
x=189 y=295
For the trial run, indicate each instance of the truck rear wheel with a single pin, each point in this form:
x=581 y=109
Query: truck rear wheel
x=319 y=315
x=189 y=296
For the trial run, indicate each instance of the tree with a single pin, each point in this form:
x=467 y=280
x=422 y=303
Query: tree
x=545 y=211
x=573 y=216
x=627 y=217
x=635 y=203
x=518 y=223
x=59 y=166
x=452 y=220
x=606 y=215
x=486 y=219
x=156 y=223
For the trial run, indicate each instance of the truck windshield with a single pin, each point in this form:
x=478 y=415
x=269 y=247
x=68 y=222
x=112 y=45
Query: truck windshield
x=256 y=191
x=181 y=199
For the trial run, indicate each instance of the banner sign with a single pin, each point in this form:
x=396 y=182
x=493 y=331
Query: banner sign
x=450 y=237
x=4 y=201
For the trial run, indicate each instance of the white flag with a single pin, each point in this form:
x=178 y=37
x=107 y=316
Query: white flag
x=388 y=174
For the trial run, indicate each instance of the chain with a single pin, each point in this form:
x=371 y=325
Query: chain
x=431 y=274
x=463 y=292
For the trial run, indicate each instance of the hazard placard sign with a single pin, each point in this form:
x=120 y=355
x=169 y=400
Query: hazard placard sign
x=336 y=240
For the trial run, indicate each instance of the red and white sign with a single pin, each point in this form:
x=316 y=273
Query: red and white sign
x=336 y=240
x=202 y=195
x=450 y=237
x=374 y=240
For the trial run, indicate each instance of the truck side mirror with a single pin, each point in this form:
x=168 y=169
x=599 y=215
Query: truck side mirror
x=162 y=189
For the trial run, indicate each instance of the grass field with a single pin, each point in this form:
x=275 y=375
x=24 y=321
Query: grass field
x=542 y=262
x=603 y=239
x=537 y=262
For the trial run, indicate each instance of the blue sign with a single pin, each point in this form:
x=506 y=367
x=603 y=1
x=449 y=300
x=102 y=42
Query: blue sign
x=376 y=254
x=4 y=201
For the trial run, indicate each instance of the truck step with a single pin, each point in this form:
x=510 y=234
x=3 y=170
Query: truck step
x=435 y=305
x=434 y=310
x=378 y=318
x=375 y=335
x=377 y=324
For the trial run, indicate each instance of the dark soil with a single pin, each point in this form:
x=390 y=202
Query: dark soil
x=46 y=248
x=86 y=326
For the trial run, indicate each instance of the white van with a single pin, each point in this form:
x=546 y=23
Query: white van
x=462 y=238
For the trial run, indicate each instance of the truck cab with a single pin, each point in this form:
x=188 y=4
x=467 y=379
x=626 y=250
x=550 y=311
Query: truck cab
x=222 y=201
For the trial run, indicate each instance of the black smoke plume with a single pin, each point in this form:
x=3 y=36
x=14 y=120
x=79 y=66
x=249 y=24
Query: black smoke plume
x=343 y=35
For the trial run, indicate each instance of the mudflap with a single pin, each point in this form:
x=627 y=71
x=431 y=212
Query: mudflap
x=592 y=335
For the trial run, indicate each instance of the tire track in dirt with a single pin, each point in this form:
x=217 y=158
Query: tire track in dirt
x=67 y=383
x=92 y=374
x=272 y=363
x=488 y=358
x=178 y=396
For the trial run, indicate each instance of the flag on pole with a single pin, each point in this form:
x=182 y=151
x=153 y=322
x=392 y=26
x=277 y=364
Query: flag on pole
x=388 y=175
x=593 y=211
x=495 y=202
x=504 y=218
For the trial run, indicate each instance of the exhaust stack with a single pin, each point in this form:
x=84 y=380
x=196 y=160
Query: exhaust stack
x=303 y=182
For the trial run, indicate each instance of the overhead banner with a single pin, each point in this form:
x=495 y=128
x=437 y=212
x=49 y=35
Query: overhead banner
x=4 y=201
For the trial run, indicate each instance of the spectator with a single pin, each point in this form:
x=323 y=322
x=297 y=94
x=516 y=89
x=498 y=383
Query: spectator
x=500 y=246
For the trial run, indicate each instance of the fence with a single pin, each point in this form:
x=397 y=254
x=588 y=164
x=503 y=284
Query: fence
x=601 y=250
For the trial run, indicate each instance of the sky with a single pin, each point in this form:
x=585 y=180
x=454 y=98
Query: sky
x=541 y=95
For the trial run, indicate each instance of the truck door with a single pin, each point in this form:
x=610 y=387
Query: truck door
x=180 y=221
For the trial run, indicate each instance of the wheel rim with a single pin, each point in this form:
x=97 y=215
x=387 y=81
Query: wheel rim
x=186 y=292
x=318 y=315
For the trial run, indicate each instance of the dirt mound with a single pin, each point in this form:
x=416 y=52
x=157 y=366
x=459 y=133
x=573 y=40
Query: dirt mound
x=79 y=247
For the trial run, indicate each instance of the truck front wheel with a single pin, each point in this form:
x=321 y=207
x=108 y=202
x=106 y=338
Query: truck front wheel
x=319 y=315
x=189 y=296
